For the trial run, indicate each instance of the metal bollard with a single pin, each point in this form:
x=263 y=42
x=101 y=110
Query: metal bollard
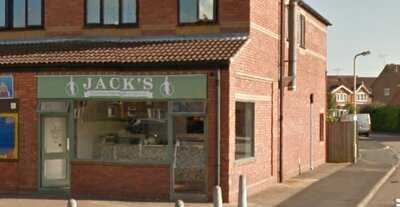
x=217 y=196
x=179 y=203
x=242 y=191
x=72 y=203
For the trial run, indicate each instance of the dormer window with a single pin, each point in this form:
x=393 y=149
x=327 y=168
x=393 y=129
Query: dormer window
x=341 y=97
x=21 y=14
x=197 y=11
x=111 y=12
x=362 y=97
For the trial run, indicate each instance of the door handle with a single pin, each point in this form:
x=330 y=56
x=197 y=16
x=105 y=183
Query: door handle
x=67 y=143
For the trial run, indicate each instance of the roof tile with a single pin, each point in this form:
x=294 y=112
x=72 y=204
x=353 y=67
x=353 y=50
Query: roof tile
x=91 y=52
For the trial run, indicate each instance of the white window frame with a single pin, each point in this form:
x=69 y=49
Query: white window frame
x=361 y=97
x=341 y=97
x=386 y=91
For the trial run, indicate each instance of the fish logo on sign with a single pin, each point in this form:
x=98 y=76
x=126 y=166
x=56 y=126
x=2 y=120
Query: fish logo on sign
x=166 y=89
x=71 y=89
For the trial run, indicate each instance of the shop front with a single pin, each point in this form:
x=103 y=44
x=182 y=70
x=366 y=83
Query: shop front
x=105 y=133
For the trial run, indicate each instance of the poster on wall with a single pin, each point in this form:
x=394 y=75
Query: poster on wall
x=6 y=87
x=8 y=136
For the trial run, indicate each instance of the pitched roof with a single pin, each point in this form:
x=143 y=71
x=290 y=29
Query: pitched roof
x=312 y=11
x=212 y=49
x=336 y=81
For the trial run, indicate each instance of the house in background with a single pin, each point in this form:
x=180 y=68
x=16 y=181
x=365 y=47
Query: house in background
x=387 y=86
x=341 y=88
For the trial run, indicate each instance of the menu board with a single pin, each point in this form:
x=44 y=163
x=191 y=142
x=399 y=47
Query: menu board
x=8 y=136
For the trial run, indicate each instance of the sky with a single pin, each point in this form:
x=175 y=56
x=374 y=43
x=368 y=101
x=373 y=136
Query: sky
x=360 y=25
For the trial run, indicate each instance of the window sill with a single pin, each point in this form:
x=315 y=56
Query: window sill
x=8 y=160
x=21 y=29
x=120 y=26
x=245 y=161
x=114 y=163
x=198 y=23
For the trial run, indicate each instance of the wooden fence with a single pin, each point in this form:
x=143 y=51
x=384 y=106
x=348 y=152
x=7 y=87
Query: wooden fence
x=340 y=145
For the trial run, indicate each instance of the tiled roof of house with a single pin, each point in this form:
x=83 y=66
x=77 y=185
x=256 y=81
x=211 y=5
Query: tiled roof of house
x=132 y=51
x=336 y=81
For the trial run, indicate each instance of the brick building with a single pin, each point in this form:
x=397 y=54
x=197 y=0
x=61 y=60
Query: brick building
x=386 y=87
x=107 y=98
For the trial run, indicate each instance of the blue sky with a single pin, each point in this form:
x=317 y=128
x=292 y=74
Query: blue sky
x=361 y=25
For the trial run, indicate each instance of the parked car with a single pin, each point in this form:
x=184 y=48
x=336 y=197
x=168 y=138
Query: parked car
x=363 y=122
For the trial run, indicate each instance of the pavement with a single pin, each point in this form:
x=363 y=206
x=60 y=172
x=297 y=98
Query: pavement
x=329 y=185
x=390 y=189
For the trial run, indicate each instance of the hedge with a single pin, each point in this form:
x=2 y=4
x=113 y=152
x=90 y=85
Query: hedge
x=385 y=118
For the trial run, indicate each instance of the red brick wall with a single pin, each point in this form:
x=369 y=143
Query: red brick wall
x=9 y=177
x=254 y=73
x=156 y=17
x=120 y=181
x=311 y=79
x=22 y=174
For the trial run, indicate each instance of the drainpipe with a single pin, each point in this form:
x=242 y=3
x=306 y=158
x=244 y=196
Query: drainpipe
x=282 y=86
x=218 y=157
x=293 y=4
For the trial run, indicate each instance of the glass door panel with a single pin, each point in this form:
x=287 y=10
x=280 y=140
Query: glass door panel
x=190 y=154
x=55 y=153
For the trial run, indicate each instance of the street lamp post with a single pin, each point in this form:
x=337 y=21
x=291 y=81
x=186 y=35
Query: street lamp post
x=365 y=53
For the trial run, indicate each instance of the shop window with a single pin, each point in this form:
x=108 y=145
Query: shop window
x=189 y=107
x=120 y=131
x=244 y=147
x=197 y=11
x=190 y=154
x=16 y=14
x=111 y=12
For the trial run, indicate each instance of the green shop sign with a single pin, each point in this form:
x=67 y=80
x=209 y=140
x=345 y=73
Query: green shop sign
x=123 y=87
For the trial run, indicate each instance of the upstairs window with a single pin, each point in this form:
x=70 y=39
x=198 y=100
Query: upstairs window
x=111 y=12
x=386 y=92
x=302 y=31
x=197 y=11
x=341 y=97
x=19 y=14
x=362 y=97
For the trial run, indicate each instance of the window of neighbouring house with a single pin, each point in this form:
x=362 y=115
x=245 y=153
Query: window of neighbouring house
x=244 y=143
x=197 y=11
x=20 y=14
x=386 y=92
x=362 y=97
x=111 y=12
x=122 y=131
x=341 y=97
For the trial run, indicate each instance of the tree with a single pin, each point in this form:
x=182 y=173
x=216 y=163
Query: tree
x=332 y=108
x=350 y=108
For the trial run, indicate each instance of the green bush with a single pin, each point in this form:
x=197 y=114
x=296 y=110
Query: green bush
x=385 y=119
